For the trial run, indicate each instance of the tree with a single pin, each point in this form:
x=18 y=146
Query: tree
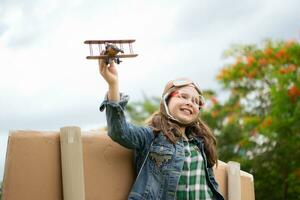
x=258 y=125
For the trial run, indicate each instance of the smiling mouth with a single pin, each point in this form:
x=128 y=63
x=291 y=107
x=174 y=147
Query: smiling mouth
x=186 y=111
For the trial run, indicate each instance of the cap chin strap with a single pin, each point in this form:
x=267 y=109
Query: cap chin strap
x=168 y=115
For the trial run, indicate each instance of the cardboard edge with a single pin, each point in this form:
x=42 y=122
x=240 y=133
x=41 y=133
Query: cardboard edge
x=242 y=173
x=246 y=174
x=20 y=133
x=6 y=164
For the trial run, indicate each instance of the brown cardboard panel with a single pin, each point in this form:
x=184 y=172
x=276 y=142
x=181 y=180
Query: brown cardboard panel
x=221 y=177
x=108 y=168
x=247 y=186
x=33 y=168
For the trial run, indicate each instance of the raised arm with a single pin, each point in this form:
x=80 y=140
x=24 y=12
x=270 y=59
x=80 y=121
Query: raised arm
x=119 y=130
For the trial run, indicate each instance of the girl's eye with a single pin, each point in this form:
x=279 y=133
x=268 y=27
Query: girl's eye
x=184 y=96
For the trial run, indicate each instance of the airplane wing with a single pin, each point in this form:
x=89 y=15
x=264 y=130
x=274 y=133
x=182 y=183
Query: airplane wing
x=117 y=56
x=108 y=41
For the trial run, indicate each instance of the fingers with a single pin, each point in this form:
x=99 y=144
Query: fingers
x=102 y=64
x=112 y=64
x=104 y=68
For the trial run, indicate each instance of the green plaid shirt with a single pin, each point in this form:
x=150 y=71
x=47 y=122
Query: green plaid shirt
x=192 y=183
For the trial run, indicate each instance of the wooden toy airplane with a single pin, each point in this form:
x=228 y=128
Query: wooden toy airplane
x=110 y=50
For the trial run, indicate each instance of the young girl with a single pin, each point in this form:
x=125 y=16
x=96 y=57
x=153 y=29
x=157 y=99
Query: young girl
x=174 y=154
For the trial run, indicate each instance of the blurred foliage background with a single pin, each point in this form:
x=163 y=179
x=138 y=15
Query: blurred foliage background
x=258 y=125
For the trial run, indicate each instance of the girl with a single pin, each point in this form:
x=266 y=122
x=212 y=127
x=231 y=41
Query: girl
x=174 y=154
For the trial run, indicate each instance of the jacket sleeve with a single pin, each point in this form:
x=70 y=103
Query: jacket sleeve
x=121 y=131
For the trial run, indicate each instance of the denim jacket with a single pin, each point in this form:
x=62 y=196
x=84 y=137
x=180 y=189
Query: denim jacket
x=158 y=162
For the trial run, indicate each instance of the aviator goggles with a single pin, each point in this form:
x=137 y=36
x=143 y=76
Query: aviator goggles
x=193 y=100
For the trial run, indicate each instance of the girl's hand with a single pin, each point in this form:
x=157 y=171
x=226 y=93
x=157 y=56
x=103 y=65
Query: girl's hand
x=109 y=72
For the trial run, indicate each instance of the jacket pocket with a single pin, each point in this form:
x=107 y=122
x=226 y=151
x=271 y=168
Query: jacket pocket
x=160 y=158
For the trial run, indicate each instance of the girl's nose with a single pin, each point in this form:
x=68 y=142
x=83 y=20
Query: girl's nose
x=189 y=102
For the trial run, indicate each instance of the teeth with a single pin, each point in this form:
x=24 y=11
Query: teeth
x=186 y=111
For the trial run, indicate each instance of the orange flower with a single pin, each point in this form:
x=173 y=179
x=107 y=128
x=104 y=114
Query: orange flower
x=250 y=60
x=289 y=69
x=267 y=122
x=293 y=92
x=262 y=61
x=214 y=113
x=280 y=53
x=268 y=51
x=283 y=70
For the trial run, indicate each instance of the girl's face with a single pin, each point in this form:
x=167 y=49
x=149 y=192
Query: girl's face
x=184 y=104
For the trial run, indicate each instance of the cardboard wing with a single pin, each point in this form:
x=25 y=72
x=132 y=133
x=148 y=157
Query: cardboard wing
x=33 y=168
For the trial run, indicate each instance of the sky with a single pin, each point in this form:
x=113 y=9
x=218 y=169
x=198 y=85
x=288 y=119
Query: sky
x=47 y=83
